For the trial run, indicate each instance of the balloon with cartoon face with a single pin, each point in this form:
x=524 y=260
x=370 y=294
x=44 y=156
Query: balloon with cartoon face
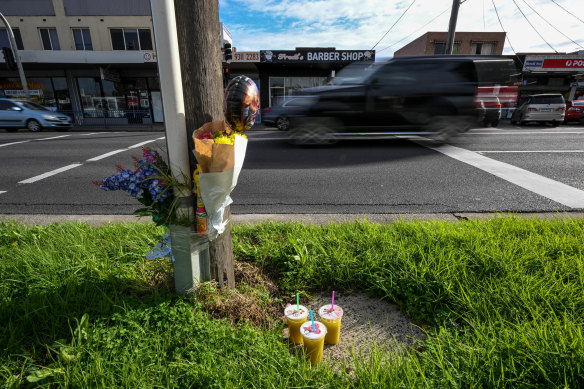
x=241 y=104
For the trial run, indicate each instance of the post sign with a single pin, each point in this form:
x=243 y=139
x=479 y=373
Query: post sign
x=315 y=56
x=568 y=63
x=558 y=63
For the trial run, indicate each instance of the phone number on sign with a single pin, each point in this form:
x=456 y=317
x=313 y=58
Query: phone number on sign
x=246 y=57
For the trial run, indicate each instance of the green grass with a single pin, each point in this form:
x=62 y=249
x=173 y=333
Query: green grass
x=502 y=301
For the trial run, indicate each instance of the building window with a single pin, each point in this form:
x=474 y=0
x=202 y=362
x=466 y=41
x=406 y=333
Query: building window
x=5 y=41
x=50 y=39
x=482 y=48
x=440 y=48
x=131 y=39
x=283 y=87
x=82 y=39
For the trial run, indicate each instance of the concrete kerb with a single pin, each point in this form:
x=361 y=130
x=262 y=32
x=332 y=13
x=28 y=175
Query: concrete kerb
x=311 y=219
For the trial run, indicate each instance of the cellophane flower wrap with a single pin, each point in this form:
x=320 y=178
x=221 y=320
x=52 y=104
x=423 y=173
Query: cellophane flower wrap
x=220 y=153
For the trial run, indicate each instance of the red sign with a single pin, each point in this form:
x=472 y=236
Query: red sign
x=570 y=63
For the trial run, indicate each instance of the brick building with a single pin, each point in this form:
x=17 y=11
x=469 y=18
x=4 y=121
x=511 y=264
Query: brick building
x=432 y=43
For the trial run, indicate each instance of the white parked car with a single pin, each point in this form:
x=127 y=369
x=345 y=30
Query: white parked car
x=545 y=108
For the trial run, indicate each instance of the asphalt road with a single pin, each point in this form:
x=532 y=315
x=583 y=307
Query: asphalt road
x=527 y=169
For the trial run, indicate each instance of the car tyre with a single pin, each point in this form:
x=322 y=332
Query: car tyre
x=446 y=127
x=33 y=126
x=494 y=123
x=312 y=132
x=283 y=123
x=555 y=123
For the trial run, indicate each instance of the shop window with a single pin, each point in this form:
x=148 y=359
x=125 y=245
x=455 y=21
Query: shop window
x=82 y=39
x=50 y=39
x=62 y=94
x=282 y=87
x=131 y=39
x=90 y=94
x=113 y=102
x=5 y=41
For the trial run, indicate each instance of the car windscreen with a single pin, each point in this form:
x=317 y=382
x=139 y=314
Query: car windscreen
x=29 y=105
x=547 y=100
x=353 y=73
x=578 y=103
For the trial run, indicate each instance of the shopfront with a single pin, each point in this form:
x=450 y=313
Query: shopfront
x=281 y=73
x=554 y=74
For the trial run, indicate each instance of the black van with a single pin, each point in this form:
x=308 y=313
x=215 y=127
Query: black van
x=433 y=95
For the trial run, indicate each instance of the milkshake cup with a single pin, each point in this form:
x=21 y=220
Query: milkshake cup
x=295 y=316
x=313 y=340
x=332 y=321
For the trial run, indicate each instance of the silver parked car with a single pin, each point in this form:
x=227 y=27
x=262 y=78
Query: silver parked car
x=545 y=108
x=15 y=114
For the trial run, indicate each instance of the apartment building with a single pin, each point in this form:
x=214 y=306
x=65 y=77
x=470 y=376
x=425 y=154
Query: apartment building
x=434 y=43
x=93 y=59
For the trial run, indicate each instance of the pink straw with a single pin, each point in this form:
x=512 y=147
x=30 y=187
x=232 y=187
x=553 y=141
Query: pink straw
x=333 y=302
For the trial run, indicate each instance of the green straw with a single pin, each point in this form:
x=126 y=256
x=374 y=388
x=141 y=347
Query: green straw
x=297 y=303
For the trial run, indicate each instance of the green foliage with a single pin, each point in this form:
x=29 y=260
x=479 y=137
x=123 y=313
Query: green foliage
x=502 y=302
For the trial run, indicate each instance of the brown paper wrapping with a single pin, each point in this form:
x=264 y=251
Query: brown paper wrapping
x=210 y=156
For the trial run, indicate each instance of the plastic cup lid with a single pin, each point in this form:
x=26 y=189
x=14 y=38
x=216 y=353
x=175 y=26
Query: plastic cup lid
x=294 y=313
x=325 y=313
x=307 y=332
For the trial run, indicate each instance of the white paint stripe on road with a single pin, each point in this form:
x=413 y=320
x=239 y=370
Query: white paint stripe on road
x=2 y=191
x=143 y=143
x=102 y=156
x=53 y=137
x=529 y=151
x=553 y=190
x=503 y=132
x=48 y=174
x=92 y=133
x=14 y=143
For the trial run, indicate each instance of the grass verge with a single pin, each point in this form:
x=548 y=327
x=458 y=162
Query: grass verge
x=502 y=301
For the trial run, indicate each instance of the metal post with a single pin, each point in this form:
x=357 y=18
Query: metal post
x=452 y=27
x=16 y=56
x=191 y=255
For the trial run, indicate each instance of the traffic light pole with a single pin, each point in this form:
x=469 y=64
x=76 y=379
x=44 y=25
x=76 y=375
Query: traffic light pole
x=16 y=56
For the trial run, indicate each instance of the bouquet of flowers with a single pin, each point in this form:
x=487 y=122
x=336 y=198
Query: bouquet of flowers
x=150 y=182
x=220 y=150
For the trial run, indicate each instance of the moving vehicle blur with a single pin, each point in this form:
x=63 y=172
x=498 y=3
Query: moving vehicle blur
x=279 y=115
x=15 y=114
x=433 y=95
x=543 y=108
x=491 y=110
x=574 y=111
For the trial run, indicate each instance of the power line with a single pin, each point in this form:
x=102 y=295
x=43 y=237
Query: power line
x=567 y=11
x=545 y=20
x=534 y=29
x=484 y=24
x=506 y=36
x=398 y=19
x=412 y=33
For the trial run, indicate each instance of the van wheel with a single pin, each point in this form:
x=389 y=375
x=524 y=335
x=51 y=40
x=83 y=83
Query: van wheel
x=494 y=123
x=313 y=131
x=33 y=125
x=446 y=127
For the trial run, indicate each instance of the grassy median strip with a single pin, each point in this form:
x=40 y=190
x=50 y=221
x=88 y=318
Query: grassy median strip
x=502 y=302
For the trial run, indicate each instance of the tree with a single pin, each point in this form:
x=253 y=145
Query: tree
x=197 y=24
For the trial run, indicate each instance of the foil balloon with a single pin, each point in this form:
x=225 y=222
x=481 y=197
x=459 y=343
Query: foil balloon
x=241 y=103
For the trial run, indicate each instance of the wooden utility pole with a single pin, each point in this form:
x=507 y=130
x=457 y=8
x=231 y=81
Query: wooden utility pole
x=452 y=27
x=197 y=25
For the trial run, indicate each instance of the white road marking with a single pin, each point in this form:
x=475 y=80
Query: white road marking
x=14 y=143
x=503 y=132
x=91 y=133
x=2 y=191
x=143 y=143
x=53 y=137
x=48 y=174
x=102 y=156
x=529 y=151
x=553 y=190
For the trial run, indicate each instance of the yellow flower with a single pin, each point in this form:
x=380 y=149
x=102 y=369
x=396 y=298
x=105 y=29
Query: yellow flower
x=15 y=244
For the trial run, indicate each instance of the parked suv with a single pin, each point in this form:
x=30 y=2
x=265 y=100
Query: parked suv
x=421 y=95
x=544 y=108
x=15 y=114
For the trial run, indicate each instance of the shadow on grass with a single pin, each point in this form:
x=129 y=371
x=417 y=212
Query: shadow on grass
x=31 y=321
